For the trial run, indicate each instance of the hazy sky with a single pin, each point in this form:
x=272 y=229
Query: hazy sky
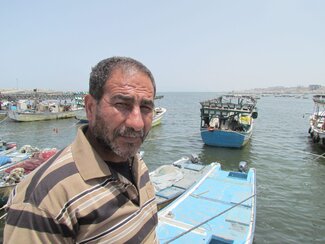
x=188 y=45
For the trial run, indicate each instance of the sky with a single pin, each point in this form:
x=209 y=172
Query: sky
x=190 y=46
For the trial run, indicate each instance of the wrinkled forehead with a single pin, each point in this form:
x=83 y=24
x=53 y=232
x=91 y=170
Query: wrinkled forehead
x=131 y=83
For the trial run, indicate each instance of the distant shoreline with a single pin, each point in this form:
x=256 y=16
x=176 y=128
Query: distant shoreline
x=285 y=90
x=312 y=89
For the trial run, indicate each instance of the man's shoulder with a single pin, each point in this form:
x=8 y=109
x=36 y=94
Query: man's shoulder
x=44 y=183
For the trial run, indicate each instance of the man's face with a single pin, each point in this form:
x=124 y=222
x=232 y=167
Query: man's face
x=123 y=116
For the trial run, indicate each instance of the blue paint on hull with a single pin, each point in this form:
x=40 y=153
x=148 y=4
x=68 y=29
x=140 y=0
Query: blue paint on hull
x=222 y=138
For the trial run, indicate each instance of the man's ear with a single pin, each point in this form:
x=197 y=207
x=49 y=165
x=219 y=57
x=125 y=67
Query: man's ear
x=90 y=107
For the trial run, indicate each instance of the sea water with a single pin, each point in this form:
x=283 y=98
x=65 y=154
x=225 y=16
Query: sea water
x=290 y=170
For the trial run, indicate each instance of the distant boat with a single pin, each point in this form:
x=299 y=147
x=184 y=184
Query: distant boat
x=228 y=120
x=172 y=180
x=158 y=115
x=317 y=120
x=219 y=208
x=25 y=111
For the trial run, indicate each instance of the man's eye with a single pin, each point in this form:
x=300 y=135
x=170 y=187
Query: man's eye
x=146 y=109
x=121 y=105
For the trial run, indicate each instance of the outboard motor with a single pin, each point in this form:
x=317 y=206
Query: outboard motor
x=194 y=158
x=243 y=166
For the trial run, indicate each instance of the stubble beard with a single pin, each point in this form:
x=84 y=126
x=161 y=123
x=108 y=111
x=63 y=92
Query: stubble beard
x=108 y=138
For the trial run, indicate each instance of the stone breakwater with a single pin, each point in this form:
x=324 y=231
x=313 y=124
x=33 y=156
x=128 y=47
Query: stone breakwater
x=14 y=95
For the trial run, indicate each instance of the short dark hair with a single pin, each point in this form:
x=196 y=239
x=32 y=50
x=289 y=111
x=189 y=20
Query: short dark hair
x=103 y=71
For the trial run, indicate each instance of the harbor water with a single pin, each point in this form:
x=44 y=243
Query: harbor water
x=290 y=168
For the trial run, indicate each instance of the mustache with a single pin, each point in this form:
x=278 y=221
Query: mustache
x=129 y=132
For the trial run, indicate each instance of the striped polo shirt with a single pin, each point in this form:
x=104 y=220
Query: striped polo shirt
x=75 y=198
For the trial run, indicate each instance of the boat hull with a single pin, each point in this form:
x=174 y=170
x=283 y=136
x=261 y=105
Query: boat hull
x=159 y=113
x=28 y=117
x=223 y=138
x=220 y=208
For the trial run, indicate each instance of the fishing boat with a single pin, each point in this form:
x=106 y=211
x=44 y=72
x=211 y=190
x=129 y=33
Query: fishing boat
x=220 y=208
x=317 y=120
x=158 y=114
x=17 y=156
x=172 y=180
x=227 y=121
x=26 y=110
x=15 y=172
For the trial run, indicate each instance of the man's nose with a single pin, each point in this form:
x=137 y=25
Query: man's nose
x=135 y=119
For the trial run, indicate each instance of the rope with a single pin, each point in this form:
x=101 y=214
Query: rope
x=215 y=216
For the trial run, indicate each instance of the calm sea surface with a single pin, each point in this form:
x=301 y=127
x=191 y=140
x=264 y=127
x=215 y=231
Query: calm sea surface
x=290 y=176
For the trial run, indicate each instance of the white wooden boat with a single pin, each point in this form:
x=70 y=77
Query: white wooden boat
x=26 y=111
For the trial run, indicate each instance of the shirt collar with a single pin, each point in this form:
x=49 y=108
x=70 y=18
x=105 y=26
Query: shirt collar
x=88 y=161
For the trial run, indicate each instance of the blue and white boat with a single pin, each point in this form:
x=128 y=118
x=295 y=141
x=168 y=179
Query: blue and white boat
x=228 y=120
x=220 y=208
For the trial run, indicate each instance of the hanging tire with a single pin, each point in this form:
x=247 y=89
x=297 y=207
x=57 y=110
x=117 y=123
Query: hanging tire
x=309 y=130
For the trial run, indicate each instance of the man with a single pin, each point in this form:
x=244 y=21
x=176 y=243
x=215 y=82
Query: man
x=97 y=189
